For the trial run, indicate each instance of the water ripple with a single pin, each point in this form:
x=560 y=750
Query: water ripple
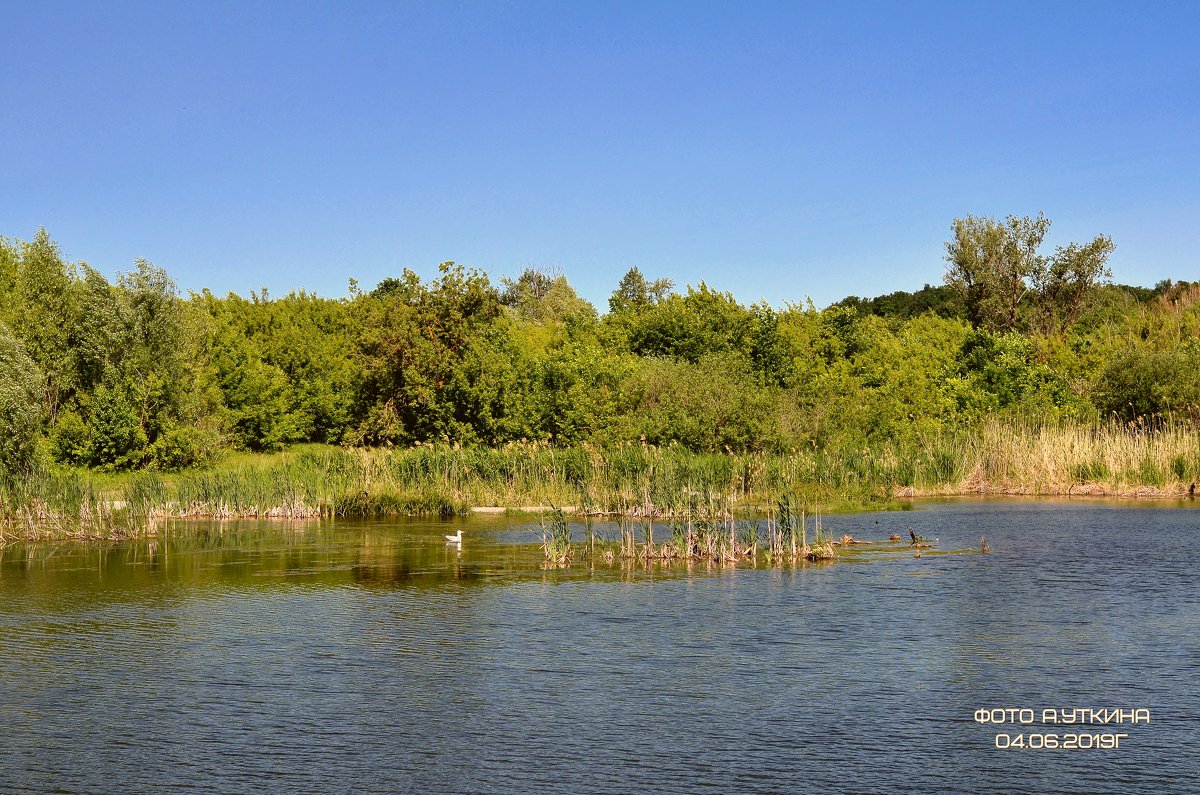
x=371 y=658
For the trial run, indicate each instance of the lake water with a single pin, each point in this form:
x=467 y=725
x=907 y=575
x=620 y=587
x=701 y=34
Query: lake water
x=356 y=657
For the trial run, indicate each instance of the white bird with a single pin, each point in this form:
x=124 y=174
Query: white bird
x=456 y=538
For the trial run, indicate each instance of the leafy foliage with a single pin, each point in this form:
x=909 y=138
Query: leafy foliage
x=128 y=374
x=20 y=405
x=997 y=271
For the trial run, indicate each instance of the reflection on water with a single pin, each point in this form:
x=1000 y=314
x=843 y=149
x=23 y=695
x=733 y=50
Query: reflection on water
x=375 y=657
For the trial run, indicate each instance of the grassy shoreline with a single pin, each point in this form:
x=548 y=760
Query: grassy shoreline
x=634 y=480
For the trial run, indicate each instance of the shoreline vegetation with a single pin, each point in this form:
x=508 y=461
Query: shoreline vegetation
x=631 y=480
x=124 y=403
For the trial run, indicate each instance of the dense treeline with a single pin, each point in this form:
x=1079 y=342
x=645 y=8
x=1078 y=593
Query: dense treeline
x=128 y=374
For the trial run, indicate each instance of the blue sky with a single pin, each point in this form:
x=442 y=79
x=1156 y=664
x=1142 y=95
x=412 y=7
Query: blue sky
x=774 y=150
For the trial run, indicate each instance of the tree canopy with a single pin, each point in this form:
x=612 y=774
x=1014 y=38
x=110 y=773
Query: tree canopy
x=127 y=373
x=997 y=270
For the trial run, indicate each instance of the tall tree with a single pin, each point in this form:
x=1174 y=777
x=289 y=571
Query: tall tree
x=158 y=356
x=545 y=296
x=997 y=270
x=635 y=293
x=44 y=316
x=417 y=350
x=688 y=326
x=993 y=264
x=10 y=255
x=20 y=405
x=1071 y=275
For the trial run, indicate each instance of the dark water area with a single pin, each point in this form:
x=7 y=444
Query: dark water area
x=353 y=657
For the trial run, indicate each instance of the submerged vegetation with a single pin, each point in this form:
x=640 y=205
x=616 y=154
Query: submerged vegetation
x=122 y=403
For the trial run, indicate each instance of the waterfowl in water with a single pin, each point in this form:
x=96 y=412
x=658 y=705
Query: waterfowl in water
x=456 y=538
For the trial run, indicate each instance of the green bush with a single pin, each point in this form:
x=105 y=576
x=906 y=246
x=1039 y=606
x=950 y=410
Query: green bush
x=184 y=447
x=1146 y=383
x=70 y=440
x=117 y=438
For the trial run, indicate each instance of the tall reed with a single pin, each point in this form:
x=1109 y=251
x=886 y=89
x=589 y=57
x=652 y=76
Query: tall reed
x=556 y=538
x=635 y=480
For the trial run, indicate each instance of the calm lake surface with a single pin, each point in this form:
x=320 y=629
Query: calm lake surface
x=355 y=657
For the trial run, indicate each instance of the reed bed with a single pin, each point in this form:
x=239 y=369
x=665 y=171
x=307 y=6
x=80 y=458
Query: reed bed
x=51 y=504
x=705 y=532
x=682 y=491
x=1117 y=459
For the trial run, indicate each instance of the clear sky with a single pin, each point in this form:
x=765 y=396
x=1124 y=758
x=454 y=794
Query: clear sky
x=775 y=150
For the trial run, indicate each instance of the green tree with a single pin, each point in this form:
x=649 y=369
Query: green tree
x=635 y=294
x=1069 y=278
x=1001 y=371
x=44 y=317
x=528 y=289
x=117 y=438
x=20 y=405
x=415 y=342
x=132 y=351
x=942 y=301
x=10 y=257
x=768 y=349
x=688 y=327
x=715 y=405
x=992 y=265
x=996 y=269
x=577 y=392
x=155 y=363
x=546 y=297
x=103 y=332
x=1147 y=383
x=257 y=397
